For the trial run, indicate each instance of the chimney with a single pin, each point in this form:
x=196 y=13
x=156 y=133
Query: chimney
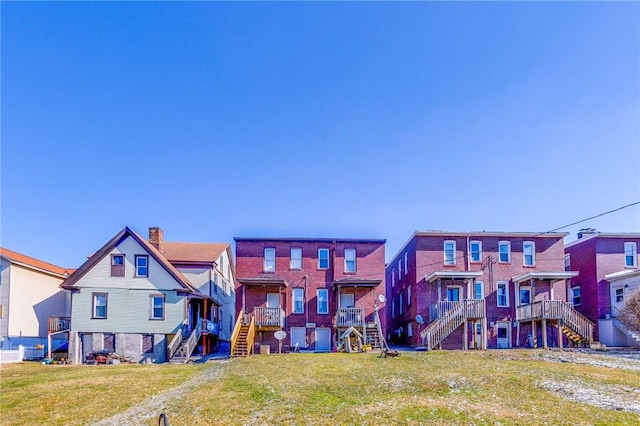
x=155 y=238
x=585 y=232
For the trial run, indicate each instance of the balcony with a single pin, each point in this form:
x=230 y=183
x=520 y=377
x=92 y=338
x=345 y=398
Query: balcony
x=350 y=317
x=471 y=309
x=544 y=309
x=269 y=317
x=57 y=324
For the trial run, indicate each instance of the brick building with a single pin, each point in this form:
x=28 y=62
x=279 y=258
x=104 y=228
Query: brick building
x=481 y=289
x=309 y=287
x=608 y=273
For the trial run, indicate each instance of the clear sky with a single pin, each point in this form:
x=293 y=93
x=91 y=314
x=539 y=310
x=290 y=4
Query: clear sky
x=215 y=120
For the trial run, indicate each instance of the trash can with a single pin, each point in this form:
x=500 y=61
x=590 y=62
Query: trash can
x=265 y=349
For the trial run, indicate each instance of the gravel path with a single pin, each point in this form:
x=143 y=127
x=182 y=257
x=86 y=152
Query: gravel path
x=152 y=407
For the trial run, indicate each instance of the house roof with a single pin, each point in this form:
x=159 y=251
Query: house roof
x=491 y=234
x=69 y=283
x=356 y=282
x=177 y=252
x=564 y=275
x=313 y=240
x=620 y=235
x=452 y=275
x=263 y=280
x=33 y=263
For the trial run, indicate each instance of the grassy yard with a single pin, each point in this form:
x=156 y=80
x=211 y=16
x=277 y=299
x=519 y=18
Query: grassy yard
x=442 y=387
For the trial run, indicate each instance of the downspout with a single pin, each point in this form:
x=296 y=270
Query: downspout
x=306 y=300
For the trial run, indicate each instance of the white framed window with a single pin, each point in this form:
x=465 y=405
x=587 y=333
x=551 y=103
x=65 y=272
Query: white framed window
x=529 y=253
x=298 y=301
x=449 y=252
x=142 y=266
x=323 y=300
x=630 y=255
x=567 y=262
x=576 y=296
x=406 y=263
x=296 y=258
x=350 y=260
x=399 y=270
x=619 y=295
x=525 y=295
x=393 y=308
x=99 y=308
x=269 y=259
x=410 y=329
x=393 y=278
x=475 y=247
x=453 y=293
x=409 y=295
x=478 y=290
x=400 y=303
x=503 y=294
x=504 y=251
x=156 y=308
x=323 y=258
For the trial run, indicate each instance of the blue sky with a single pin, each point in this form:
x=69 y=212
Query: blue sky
x=215 y=120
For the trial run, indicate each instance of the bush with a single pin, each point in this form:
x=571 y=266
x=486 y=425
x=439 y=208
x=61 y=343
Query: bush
x=630 y=312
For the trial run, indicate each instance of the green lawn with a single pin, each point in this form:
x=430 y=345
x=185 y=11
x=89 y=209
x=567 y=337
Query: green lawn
x=441 y=387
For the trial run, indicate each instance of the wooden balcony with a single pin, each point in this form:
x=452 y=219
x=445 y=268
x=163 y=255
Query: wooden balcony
x=350 y=317
x=58 y=324
x=268 y=317
x=543 y=309
x=471 y=309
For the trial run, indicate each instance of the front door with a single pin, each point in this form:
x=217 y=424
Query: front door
x=347 y=300
x=503 y=335
x=273 y=300
x=298 y=338
x=617 y=299
x=323 y=339
x=478 y=337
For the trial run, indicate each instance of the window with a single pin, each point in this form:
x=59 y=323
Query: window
x=630 y=255
x=117 y=265
x=449 y=252
x=525 y=295
x=400 y=303
x=323 y=258
x=503 y=294
x=408 y=295
x=529 y=253
x=393 y=308
x=619 y=295
x=350 y=260
x=478 y=290
x=109 y=342
x=296 y=258
x=567 y=262
x=142 y=266
x=406 y=263
x=475 y=247
x=453 y=294
x=147 y=343
x=323 y=300
x=393 y=278
x=399 y=270
x=269 y=259
x=504 y=252
x=157 y=307
x=575 y=296
x=99 y=305
x=298 y=302
x=410 y=329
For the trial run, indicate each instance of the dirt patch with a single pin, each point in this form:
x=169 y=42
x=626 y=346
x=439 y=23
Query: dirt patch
x=619 y=398
x=626 y=360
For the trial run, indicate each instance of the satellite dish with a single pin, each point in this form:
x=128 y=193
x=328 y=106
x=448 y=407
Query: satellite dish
x=280 y=334
x=382 y=298
x=211 y=326
x=419 y=319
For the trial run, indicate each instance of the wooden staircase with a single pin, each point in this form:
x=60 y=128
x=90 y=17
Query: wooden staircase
x=373 y=338
x=183 y=352
x=450 y=318
x=242 y=337
x=241 y=348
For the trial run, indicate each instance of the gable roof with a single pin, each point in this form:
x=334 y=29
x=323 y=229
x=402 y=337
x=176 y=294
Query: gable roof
x=193 y=252
x=69 y=283
x=33 y=263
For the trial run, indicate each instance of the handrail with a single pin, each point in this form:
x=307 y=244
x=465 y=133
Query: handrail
x=174 y=344
x=449 y=316
x=192 y=341
x=59 y=324
x=557 y=310
x=251 y=335
x=350 y=317
x=236 y=333
x=268 y=317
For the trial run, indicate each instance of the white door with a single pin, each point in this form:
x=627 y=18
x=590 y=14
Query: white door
x=323 y=339
x=298 y=338
x=503 y=335
x=478 y=331
x=617 y=299
x=347 y=300
x=273 y=300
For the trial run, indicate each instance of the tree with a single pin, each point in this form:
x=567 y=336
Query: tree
x=630 y=312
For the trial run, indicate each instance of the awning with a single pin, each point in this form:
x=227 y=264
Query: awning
x=620 y=275
x=356 y=282
x=452 y=275
x=552 y=276
x=263 y=281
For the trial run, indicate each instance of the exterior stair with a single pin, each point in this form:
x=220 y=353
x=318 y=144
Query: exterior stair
x=442 y=327
x=373 y=338
x=184 y=351
x=241 y=346
x=631 y=335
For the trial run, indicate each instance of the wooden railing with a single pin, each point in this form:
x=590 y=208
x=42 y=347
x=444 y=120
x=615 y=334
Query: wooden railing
x=448 y=317
x=350 y=317
x=268 y=317
x=174 y=344
x=236 y=332
x=192 y=341
x=251 y=335
x=59 y=324
x=557 y=310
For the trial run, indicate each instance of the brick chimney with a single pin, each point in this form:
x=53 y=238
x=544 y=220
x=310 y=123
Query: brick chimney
x=155 y=238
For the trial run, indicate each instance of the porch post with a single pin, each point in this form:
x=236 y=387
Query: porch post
x=560 y=334
x=534 y=334
x=544 y=333
x=439 y=289
x=465 y=335
x=483 y=343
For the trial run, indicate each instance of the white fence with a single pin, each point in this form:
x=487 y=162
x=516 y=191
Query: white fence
x=20 y=354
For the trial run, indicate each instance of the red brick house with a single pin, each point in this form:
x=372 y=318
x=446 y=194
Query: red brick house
x=311 y=288
x=609 y=273
x=481 y=289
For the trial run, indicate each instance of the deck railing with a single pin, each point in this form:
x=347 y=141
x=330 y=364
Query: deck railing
x=268 y=317
x=350 y=317
x=174 y=344
x=471 y=308
x=557 y=310
x=236 y=332
x=57 y=324
x=192 y=341
x=251 y=333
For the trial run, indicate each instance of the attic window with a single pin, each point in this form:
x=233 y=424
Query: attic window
x=117 y=265
x=142 y=266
